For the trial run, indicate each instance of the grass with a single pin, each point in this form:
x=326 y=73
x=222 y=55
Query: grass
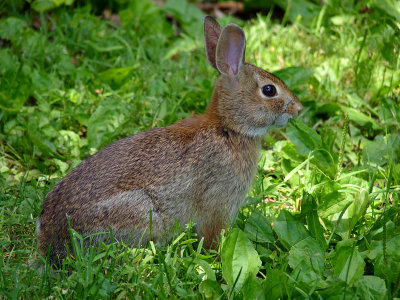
x=322 y=218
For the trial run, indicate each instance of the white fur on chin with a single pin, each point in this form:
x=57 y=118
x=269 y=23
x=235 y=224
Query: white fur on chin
x=254 y=132
x=258 y=132
x=282 y=119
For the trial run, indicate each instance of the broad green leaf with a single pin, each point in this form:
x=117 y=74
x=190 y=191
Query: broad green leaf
x=288 y=151
x=392 y=8
x=348 y=264
x=357 y=209
x=315 y=228
x=289 y=230
x=308 y=252
x=290 y=170
x=275 y=285
x=39 y=139
x=146 y=17
x=8 y=62
x=71 y=142
x=338 y=290
x=374 y=248
x=189 y=16
x=186 y=44
x=267 y=160
x=61 y=165
x=393 y=142
x=382 y=149
x=101 y=48
x=74 y=96
x=304 y=138
x=296 y=169
x=45 y=5
x=294 y=76
x=64 y=66
x=388 y=267
x=352 y=179
x=41 y=81
x=371 y=288
x=13 y=93
x=360 y=118
x=328 y=108
x=396 y=172
x=253 y=289
x=309 y=210
x=325 y=72
x=333 y=203
x=263 y=252
x=306 y=258
x=19 y=96
x=106 y=288
x=389 y=53
x=106 y=121
x=11 y=28
x=258 y=228
x=342 y=19
x=340 y=222
x=308 y=204
x=388 y=110
x=300 y=8
x=239 y=259
x=324 y=161
x=386 y=218
x=207 y=269
x=210 y=289
x=116 y=77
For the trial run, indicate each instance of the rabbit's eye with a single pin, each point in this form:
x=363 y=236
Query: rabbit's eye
x=269 y=90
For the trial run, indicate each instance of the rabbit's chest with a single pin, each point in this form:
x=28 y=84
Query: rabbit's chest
x=238 y=164
x=226 y=178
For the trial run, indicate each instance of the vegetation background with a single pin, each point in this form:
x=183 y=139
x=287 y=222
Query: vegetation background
x=322 y=219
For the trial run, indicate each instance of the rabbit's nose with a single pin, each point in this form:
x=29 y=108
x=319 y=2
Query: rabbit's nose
x=294 y=108
x=298 y=106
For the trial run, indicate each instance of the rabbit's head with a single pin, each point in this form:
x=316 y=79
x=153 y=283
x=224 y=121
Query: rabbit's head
x=248 y=99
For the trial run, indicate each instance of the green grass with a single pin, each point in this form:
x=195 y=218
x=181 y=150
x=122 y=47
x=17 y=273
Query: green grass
x=322 y=219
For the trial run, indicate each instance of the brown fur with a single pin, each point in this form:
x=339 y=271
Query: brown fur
x=202 y=166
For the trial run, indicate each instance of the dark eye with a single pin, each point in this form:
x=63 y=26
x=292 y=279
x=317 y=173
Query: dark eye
x=269 y=90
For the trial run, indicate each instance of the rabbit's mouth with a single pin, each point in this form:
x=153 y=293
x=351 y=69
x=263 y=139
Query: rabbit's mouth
x=282 y=119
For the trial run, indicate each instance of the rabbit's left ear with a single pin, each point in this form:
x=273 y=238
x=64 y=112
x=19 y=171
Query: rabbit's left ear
x=212 y=31
x=230 y=50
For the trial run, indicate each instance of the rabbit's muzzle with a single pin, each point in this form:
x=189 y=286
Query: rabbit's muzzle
x=293 y=108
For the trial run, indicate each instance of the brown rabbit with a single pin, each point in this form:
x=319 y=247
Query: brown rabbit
x=200 y=167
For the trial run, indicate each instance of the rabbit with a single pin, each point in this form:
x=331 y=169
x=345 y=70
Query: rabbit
x=201 y=167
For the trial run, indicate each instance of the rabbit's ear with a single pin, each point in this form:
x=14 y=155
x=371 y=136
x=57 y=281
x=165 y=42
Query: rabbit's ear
x=212 y=31
x=230 y=50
